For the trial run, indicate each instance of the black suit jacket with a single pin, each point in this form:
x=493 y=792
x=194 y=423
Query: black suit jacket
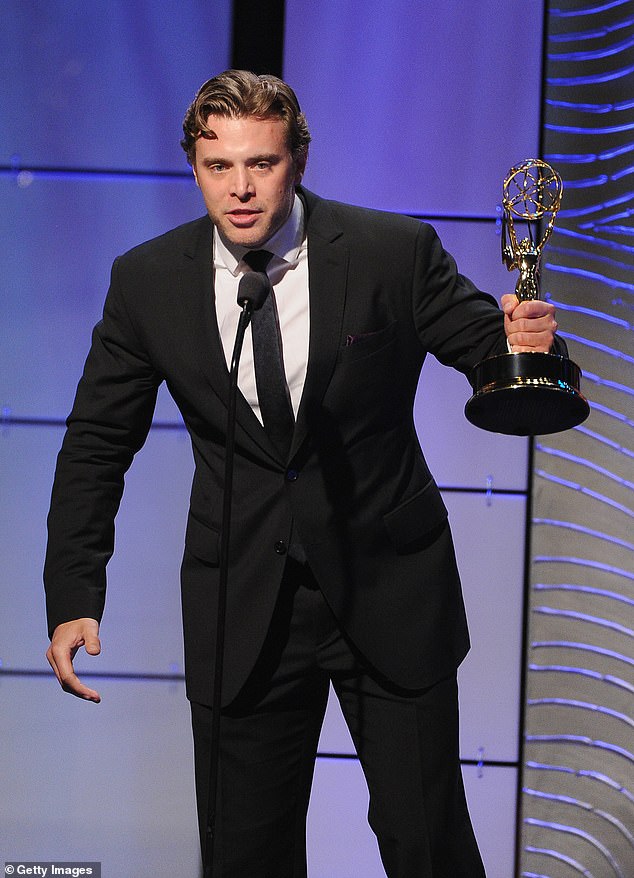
x=355 y=492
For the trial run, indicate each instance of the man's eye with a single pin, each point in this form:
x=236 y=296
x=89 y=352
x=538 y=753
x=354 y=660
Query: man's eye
x=262 y=166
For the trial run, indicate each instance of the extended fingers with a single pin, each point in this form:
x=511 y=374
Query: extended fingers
x=67 y=639
x=60 y=659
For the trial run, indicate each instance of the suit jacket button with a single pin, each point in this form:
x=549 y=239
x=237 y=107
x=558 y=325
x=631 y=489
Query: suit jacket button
x=280 y=547
x=292 y=475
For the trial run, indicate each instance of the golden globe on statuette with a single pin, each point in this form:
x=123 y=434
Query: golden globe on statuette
x=528 y=393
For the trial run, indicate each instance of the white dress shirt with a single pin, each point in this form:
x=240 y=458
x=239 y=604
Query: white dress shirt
x=288 y=272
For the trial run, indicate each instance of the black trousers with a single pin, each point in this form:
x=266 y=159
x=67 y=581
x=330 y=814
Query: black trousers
x=407 y=743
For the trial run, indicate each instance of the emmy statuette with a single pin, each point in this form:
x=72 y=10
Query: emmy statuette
x=528 y=393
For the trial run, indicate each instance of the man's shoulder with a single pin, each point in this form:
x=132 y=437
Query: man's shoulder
x=185 y=238
x=365 y=230
x=356 y=218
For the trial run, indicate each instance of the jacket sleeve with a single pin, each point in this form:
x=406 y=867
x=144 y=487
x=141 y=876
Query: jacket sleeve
x=456 y=321
x=109 y=422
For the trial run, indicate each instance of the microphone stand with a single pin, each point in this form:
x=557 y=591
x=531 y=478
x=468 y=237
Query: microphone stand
x=253 y=290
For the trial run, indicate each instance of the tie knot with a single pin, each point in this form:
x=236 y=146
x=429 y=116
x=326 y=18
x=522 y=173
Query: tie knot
x=257 y=260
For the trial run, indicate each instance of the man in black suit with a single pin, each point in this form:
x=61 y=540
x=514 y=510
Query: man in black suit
x=341 y=561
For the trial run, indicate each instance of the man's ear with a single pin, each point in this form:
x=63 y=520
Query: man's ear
x=195 y=173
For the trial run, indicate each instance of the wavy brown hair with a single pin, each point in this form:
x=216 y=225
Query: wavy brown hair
x=239 y=93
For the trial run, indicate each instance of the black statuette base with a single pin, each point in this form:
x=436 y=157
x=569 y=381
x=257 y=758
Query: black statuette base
x=526 y=394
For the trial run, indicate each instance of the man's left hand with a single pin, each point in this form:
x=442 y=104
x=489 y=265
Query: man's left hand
x=529 y=325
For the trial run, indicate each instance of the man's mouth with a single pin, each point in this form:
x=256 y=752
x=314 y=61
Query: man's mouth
x=243 y=216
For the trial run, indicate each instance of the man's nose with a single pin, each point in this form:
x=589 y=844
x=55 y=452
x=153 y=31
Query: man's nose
x=241 y=184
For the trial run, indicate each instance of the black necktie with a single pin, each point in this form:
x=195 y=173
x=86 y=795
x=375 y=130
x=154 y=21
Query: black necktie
x=270 y=379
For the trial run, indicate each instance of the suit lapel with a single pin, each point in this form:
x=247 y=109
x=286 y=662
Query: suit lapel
x=327 y=276
x=198 y=287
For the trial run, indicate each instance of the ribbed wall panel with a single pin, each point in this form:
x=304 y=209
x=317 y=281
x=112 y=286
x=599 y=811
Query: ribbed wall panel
x=578 y=798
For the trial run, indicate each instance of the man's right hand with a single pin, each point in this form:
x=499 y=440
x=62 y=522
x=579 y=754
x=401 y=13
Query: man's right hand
x=67 y=638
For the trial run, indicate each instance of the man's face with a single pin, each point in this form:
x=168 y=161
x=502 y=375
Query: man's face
x=247 y=176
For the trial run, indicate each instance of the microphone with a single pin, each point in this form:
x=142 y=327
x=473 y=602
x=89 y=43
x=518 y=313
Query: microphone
x=253 y=289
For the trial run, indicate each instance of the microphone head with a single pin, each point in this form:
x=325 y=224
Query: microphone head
x=253 y=289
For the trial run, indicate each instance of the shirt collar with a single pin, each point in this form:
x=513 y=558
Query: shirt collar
x=285 y=244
